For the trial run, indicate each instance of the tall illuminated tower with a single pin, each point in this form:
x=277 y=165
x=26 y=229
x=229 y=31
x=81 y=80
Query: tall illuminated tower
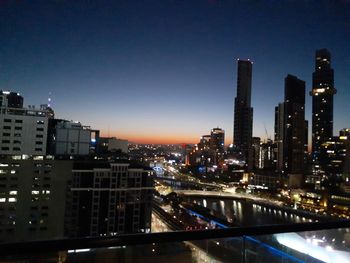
x=243 y=119
x=322 y=101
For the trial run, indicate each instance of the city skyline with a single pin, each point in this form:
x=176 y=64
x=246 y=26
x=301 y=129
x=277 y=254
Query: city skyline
x=171 y=78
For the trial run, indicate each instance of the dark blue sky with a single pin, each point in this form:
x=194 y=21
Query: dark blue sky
x=165 y=71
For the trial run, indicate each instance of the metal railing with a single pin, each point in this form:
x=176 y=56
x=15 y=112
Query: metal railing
x=33 y=247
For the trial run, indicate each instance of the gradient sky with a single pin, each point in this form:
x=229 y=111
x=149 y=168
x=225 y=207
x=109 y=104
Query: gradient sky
x=165 y=70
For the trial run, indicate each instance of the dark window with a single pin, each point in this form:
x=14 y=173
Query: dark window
x=38 y=149
x=18 y=128
x=5 y=148
x=18 y=121
x=5 y=134
x=40 y=122
x=16 y=148
x=16 y=142
x=39 y=136
x=38 y=142
x=18 y=135
x=7 y=120
x=40 y=129
x=7 y=127
x=5 y=141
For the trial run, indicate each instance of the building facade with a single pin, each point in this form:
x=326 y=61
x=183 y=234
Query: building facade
x=322 y=94
x=109 y=199
x=290 y=129
x=23 y=130
x=68 y=138
x=243 y=113
x=32 y=197
x=10 y=99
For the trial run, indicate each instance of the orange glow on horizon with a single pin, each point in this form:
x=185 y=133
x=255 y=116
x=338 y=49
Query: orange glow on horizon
x=153 y=139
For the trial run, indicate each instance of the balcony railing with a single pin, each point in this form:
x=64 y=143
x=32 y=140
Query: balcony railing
x=304 y=242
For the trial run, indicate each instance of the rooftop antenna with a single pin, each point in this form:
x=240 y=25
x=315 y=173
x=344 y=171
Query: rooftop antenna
x=49 y=100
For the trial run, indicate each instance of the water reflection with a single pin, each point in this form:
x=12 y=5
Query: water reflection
x=246 y=213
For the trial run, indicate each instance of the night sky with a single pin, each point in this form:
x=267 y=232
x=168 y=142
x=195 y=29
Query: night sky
x=164 y=71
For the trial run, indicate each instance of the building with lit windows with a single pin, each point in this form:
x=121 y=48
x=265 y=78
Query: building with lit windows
x=217 y=144
x=23 y=130
x=266 y=155
x=10 y=99
x=256 y=151
x=290 y=130
x=32 y=197
x=111 y=144
x=107 y=199
x=322 y=94
x=210 y=149
x=334 y=159
x=243 y=114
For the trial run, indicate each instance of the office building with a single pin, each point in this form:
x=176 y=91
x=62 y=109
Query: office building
x=70 y=138
x=266 y=155
x=32 y=197
x=23 y=130
x=217 y=144
x=256 y=151
x=290 y=129
x=322 y=101
x=217 y=140
x=109 y=199
x=210 y=149
x=279 y=137
x=334 y=159
x=243 y=118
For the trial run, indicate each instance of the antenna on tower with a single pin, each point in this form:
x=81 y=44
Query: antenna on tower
x=49 y=100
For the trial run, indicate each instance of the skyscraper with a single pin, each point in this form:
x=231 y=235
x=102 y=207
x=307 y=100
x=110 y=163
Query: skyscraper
x=217 y=144
x=243 y=119
x=291 y=127
x=322 y=101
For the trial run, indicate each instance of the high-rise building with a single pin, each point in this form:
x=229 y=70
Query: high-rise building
x=217 y=144
x=290 y=129
x=243 y=119
x=334 y=160
x=266 y=155
x=256 y=151
x=322 y=101
x=23 y=130
x=279 y=136
x=109 y=199
x=217 y=140
x=210 y=149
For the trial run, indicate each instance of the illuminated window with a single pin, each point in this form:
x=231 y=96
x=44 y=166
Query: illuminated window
x=13 y=192
x=12 y=199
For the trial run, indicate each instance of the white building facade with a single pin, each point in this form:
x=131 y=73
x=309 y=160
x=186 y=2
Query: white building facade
x=23 y=131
